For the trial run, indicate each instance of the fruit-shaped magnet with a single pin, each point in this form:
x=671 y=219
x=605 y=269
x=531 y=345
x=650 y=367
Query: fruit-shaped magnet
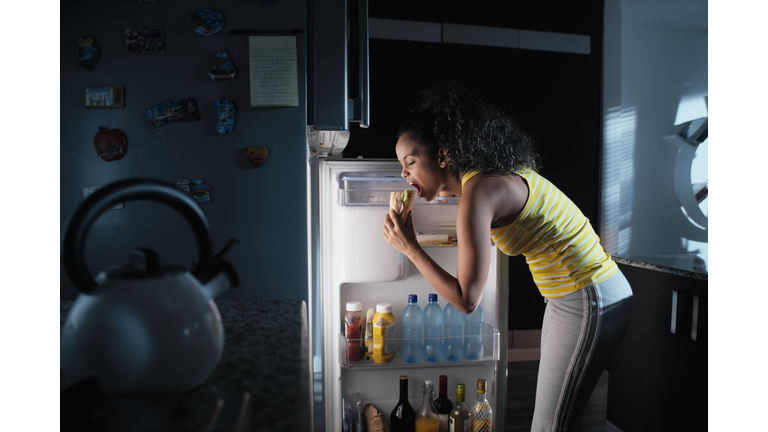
x=225 y=114
x=206 y=22
x=256 y=155
x=110 y=144
x=87 y=53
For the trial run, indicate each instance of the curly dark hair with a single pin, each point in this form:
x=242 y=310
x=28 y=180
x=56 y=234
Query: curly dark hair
x=476 y=134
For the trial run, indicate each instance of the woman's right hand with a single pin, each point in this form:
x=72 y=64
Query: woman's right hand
x=402 y=238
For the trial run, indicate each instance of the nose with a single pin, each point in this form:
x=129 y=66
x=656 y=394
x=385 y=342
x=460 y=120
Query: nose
x=403 y=172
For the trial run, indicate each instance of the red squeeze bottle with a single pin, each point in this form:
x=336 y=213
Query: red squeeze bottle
x=354 y=318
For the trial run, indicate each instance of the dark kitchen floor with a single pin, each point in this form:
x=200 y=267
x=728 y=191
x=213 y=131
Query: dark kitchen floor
x=521 y=391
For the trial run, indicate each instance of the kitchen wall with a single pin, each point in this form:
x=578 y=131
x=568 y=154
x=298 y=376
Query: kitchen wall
x=265 y=207
x=655 y=56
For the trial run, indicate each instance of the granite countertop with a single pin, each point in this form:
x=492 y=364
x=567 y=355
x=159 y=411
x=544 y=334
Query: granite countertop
x=266 y=353
x=688 y=265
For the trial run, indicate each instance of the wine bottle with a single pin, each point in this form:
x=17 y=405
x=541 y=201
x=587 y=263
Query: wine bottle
x=403 y=417
x=481 y=413
x=460 y=419
x=443 y=405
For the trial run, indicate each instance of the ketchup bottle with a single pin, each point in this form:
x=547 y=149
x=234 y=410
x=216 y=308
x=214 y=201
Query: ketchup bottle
x=354 y=318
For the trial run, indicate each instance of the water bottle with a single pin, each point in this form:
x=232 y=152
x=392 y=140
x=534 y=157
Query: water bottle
x=433 y=330
x=473 y=325
x=453 y=319
x=412 y=321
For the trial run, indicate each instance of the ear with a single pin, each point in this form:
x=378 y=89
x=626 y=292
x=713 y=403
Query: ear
x=442 y=157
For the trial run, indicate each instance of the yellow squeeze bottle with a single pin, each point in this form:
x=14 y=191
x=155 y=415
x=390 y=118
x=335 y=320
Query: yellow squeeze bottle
x=383 y=334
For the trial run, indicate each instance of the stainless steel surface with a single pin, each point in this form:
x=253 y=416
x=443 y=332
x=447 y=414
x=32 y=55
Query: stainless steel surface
x=695 y=319
x=673 y=328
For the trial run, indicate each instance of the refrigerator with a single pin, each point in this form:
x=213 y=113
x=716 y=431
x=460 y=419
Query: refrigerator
x=354 y=262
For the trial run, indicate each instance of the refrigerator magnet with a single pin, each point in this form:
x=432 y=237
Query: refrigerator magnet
x=144 y=40
x=256 y=155
x=225 y=113
x=221 y=67
x=110 y=144
x=168 y=111
x=197 y=189
x=87 y=53
x=104 y=96
x=206 y=22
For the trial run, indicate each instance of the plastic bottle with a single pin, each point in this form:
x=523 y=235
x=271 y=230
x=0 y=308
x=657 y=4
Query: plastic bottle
x=473 y=325
x=433 y=330
x=383 y=334
x=412 y=321
x=452 y=346
x=426 y=418
x=353 y=319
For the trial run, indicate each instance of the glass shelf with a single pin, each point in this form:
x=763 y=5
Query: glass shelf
x=375 y=191
x=489 y=337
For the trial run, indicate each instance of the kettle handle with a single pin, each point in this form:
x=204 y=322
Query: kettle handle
x=127 y=190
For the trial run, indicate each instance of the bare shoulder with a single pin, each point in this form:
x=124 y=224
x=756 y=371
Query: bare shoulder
x=502 y=196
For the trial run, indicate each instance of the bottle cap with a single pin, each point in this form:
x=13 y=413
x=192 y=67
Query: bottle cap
x=384 y=308
x=354 y=306
x=481 y=386
x=433 y=297
x=428 y=382
x=403 y=377
x=460 y=388
x=413 y=298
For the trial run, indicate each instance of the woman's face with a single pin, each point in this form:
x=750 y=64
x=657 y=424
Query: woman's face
x=423 y=170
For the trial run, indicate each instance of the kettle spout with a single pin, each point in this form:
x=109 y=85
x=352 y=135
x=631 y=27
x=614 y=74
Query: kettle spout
x=220 y=275
x=227 y=278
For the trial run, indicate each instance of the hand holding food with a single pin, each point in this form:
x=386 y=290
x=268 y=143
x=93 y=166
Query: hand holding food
x=402 y=203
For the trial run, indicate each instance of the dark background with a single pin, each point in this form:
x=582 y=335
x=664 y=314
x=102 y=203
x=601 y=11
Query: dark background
x=554 y=96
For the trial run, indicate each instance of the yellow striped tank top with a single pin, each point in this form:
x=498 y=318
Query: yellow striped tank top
x=559 y=244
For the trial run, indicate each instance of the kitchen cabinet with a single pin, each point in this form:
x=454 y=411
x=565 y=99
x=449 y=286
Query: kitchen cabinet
x=658 y=376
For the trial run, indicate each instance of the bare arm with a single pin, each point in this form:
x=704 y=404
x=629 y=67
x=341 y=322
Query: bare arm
x=473 y=221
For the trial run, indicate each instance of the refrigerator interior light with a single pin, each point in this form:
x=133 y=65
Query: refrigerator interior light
x=323 y=143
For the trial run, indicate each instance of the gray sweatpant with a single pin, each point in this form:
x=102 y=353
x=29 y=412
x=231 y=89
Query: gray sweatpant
x=580 y=333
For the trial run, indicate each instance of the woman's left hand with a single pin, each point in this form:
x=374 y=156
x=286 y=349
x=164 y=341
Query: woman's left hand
x=402 y=238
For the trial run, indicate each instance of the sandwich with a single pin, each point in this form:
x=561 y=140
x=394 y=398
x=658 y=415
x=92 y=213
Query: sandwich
x=402 y=203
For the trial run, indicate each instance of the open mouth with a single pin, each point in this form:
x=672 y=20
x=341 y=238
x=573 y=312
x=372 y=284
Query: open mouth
x=417 y=187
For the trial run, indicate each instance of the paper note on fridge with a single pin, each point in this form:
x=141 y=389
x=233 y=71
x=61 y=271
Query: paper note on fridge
x=274 y=80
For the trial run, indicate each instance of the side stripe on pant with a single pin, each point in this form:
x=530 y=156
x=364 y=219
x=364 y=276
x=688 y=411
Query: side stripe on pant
x=588 y=337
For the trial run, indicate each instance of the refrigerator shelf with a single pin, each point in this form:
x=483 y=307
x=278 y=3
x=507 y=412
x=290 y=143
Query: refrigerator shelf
x=374 y=191
x=489 y=337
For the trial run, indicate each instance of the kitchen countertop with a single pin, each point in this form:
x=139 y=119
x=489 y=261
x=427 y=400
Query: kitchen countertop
x=266 y=354
x=688 y=265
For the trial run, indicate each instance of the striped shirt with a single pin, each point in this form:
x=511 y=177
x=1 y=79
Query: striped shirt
x=557 y=240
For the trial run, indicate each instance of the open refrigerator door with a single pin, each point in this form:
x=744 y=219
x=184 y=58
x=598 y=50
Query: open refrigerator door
x=357 y=264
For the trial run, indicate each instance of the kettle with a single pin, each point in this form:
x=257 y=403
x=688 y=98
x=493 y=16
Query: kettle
x=143 y=327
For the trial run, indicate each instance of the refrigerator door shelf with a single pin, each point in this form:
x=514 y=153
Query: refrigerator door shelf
x=489 y=337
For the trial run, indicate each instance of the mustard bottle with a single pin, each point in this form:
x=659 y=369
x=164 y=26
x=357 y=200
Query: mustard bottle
x=383 y=334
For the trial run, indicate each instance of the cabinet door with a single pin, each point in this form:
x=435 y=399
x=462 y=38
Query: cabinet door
x=649 y=372
x=696 y=400
x=398 y=71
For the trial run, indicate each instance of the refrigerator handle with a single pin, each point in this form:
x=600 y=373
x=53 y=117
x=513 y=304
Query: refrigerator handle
x=365 y=106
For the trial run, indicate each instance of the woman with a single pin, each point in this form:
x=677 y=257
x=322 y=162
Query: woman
x=454 y=142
